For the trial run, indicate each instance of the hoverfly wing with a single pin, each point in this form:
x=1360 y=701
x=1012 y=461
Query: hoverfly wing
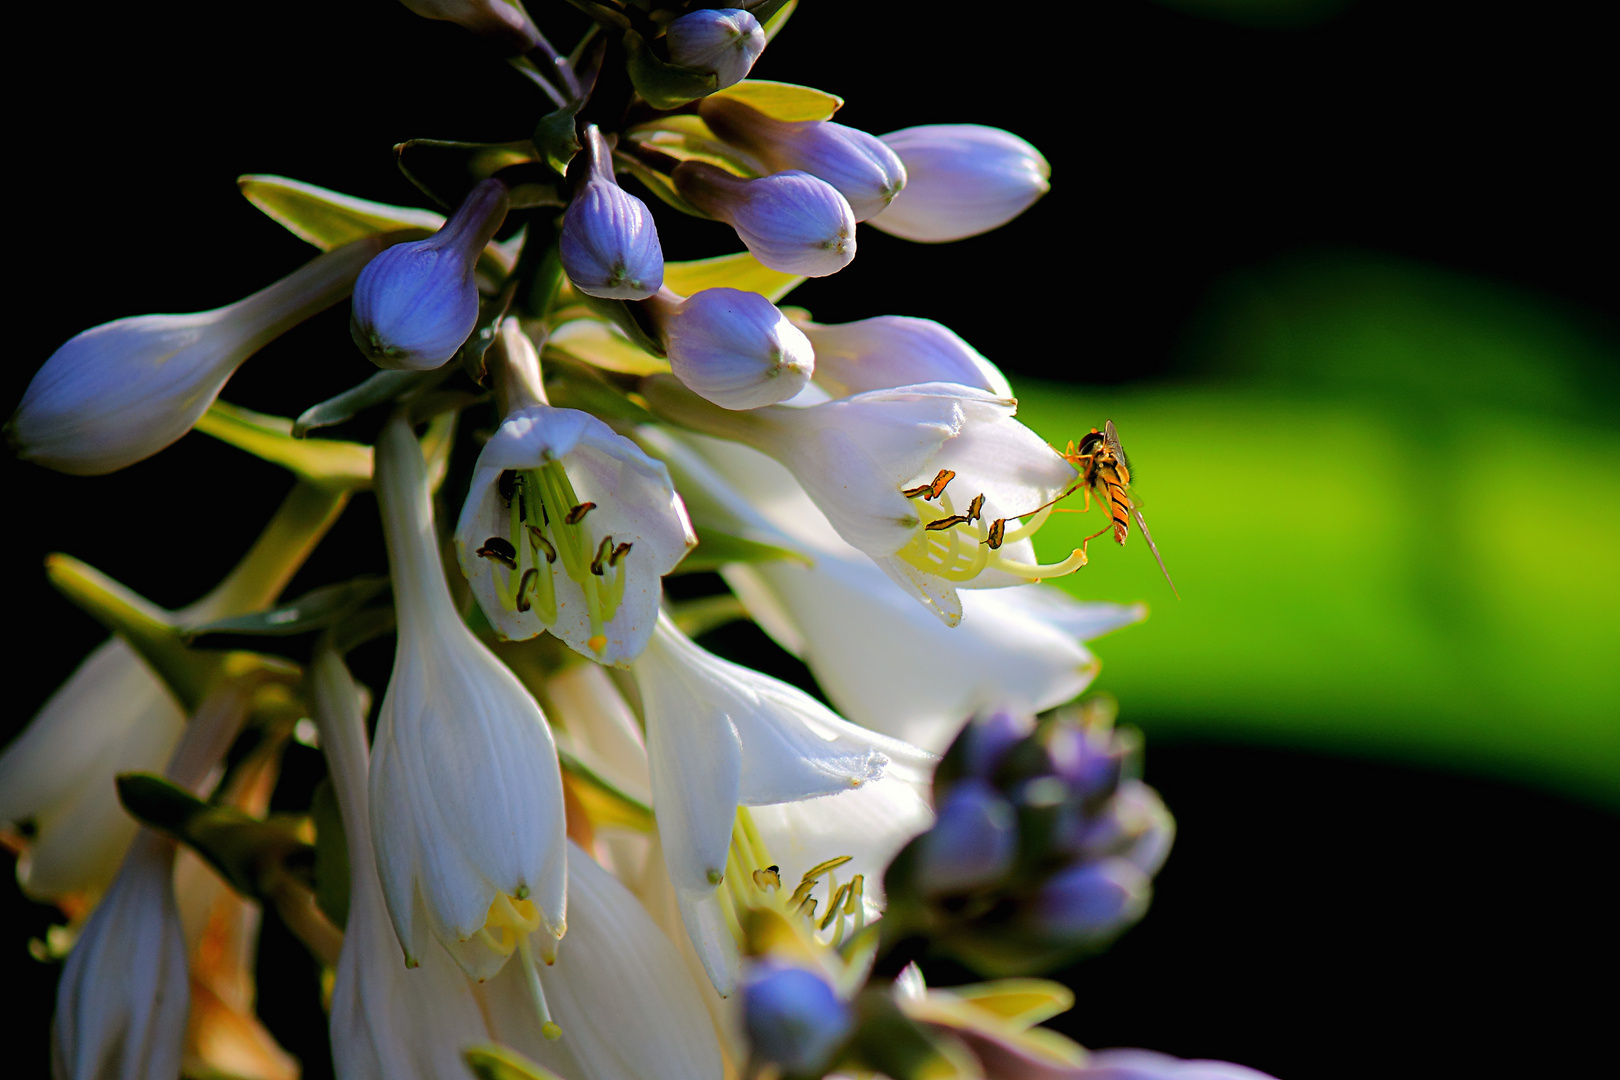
x=1142 y=522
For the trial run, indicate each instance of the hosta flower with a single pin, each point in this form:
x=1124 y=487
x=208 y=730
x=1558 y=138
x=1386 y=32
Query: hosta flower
x=894 y=350
x=930 y=481
x=725 y=41
x=124 y=390
x=961 y=180
x=733 y=348
x=466 y=798
x=721 y=736
x=790 y=221
x=609 y=242
x=496 y=20
x=865 y=171
x=1152 y=1065
x=568 y=526
x=388 y=1021
x=416 y=303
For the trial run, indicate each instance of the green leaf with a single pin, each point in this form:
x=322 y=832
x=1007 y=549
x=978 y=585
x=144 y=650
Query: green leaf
x=493 y=1062
x=887 y=1041
x=325 y=462
x=330 y=219
x=315 y=610
x=628 y=319
x=383 y=388
x=717 y=547
x=662 y=84
x=557 y=138
x=571 y=385
x=773 y=15
x=591 y=341
x=784 y=101
x=331 y=855
x=739 y=271
x=445 y=170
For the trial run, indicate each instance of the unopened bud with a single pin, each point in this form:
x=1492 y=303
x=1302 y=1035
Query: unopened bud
x=416 y=303
x=725 y=41
x=609 y=244
x=865 y=171
x=1091 y=902
x=793 y=1019
x=895 y=350
x=1091 y=762
x=973 y=842
x=961 y=180
x=502 y=23
x=791 y=221
x=1151 y=1065
x=734 y=348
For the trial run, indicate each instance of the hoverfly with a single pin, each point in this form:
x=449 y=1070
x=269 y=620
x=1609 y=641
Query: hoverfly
x=1106 y=472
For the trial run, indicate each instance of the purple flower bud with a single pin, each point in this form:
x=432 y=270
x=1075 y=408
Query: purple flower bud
x=1091 y=762
x=502 y=23
x=609 y=244
x=791 y=221
x=989 y=740
x=1092 y=901
x=792 y=1017
x=725 y=41
x=961 y=180
x=1151 y=1065
x=734 y=348
x=973 y=842
x=416 y=303
x=865 y=171
x=894 y=350
x=1134 y=825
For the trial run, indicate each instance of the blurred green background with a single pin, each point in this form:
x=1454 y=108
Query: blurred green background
x=1390 y=498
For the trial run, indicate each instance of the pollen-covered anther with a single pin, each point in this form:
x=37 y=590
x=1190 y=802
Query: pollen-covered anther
x=769 y=877
x=500 y=550
x=604 y=551
x=577 y=514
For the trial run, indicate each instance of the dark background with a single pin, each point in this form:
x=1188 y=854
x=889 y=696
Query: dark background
x=1319 y=918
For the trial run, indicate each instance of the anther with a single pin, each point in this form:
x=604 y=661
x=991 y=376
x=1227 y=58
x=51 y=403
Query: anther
x=500 y=550
x=946 y=522
x=603 y=550
x=506 y=484
x=770 y=876
x=523 y=590
x=998 y=530
x=538 y=539
x=577 y=514
x=976 y=508
x=933 y=489
x=618 y=554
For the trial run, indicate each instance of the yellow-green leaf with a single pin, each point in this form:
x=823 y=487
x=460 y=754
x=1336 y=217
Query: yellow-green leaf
x=784 y=101
x=493 y=1062
x=591 y=341
x=739 y=271
x=327 y=462
x=330 y=219
x=1025 y=1002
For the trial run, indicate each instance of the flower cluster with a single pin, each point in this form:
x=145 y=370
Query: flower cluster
x=575 y=842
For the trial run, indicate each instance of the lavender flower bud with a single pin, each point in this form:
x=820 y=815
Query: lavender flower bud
x=791 y=221
x=609 y=244
x=895 y=350
x=972 y=844
x=734 y=348
x=961 y=180
x=793 y=1018
x=865 y=171
x=1091 y=902
x=500 y=22
x=416 y=303
x=1151 y=1065
x=725 y=41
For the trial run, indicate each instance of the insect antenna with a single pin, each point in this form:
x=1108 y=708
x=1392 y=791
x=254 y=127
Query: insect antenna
x=1140 y=520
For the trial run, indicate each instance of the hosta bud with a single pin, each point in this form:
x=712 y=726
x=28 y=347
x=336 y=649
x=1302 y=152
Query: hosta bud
x=1091 y=902
x=793 y=1019
x=725 y=41
x=863 y=169
x=734 y=348
x=980 y=749
x=1151 y=1065
x=496 y=20
x=894 y=350
x=416 y=303
x=609 y=244
x=961 y=180
x=791 y=221
x=972 y=844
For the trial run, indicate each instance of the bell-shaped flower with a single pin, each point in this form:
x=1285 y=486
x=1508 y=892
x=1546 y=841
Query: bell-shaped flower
x=416 y=303
x=881 y=466
x=896 y=350
x=961 y=180
x=466 y=797
x=495 y=20
x=1152 y=1065
x=609 y=242
x=733 y=348
x=124 y=390
x=721 y=736
x=388 y=1021
x=568 y=526
x=725 y=41
x=790 y=221
x=865 y=171
x=620 y=995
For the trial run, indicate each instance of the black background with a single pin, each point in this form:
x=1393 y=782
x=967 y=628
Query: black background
x=1318 y=918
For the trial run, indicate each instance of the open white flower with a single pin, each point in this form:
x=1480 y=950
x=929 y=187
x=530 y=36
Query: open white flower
x=721 y=736
x=568 y=526
x=930 y=480
x=466 y=797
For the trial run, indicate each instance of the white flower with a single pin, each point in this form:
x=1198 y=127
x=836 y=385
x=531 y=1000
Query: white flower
x=416 y=303
x=568 y=526
x=619 y=992
x=609 y=242
x=864 y=170
x=725 y=41
x=927 y=480
x=388 y=1021
x=719 y=736
x=961 y=180
x=466 y=797
x=790 y=221
x=733 y=348
x=124 y=390
x=895 y=350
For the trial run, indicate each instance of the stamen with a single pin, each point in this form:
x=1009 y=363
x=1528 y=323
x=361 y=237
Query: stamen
x=524 y=586
x=548 y=1026
x=933 y=489
x=946 y=522
x=506 y=484
x=976 y=507
x=832 y=905
x=998 y=534
x=603 y=550
x=538 y=541
x=500 y=550
x=769 y=877
x=577 y=513
x=618 y=554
